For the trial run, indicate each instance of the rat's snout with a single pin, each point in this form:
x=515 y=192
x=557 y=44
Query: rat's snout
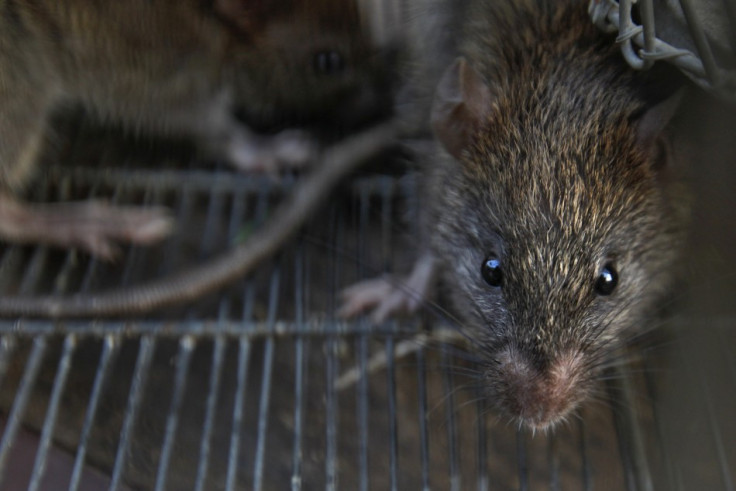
x=539 y=395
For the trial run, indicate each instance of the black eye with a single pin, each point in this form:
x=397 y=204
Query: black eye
x=491 y=271
x=328 y=62
x=607 y=280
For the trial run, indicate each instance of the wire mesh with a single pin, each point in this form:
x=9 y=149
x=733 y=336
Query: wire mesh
x=696 y=37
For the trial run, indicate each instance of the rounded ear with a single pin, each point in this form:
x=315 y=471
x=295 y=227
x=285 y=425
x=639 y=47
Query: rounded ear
x=652 y=123
x=462 y=102
x=650 y=128
x=248 y=16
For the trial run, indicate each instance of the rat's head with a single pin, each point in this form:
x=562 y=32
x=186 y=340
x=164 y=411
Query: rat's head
x=554 y=225
x=306 y=62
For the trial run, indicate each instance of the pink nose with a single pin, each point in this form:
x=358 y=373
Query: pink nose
x=538 y=398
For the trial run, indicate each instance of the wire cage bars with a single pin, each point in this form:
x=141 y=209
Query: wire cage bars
x=696 y=37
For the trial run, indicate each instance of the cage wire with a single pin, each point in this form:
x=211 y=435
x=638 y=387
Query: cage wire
x=698 y=37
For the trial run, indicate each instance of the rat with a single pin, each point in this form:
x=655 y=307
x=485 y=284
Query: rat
x=552 y=207
x=207 y=70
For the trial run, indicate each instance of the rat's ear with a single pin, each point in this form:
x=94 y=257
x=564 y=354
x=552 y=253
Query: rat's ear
x=651 y=124
x=461 y=104
x=247 y=16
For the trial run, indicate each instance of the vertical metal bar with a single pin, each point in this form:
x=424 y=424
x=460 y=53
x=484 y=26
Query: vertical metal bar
x=386 y=232
x=553 y=460
x=393 y=438
x=646 y=8
x=62 y=371
x=300 y=369
x=387 y=236
x=8 y=343
x=186 y=346
x=21 y=400
x=209 y=233
x=238 y=409
x=242 y=382
x=244 y=344
x=423 y=418
x=236 y=216
x=362 y=351
x=616 y=394
x=455 y=483
x=662 y=446
x=214 y=390
x=638 y=449
x=336 y=221
x=331 y=370
x=585 y=461
x=142 y=369
x=523 y=465
x=627 y=46
x=260 y=456
x=109 y=351
x=716 y=433
x=695 y=28
x=362 y=409
x=481 y=436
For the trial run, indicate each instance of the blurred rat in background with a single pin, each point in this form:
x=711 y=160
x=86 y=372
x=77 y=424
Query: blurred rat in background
x=211 y=71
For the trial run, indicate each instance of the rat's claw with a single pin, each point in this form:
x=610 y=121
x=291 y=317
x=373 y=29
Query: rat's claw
x=294 y=148
x=389 y=295
x=289 y=149
x=93 y=226
x=384 y=296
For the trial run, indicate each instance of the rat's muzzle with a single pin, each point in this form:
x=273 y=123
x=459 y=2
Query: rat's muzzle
x=538 y=395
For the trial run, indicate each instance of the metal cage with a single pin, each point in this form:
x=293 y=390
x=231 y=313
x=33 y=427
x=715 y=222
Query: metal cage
x=696 y=37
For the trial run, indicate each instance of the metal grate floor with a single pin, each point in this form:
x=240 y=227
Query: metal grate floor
x=251 y=388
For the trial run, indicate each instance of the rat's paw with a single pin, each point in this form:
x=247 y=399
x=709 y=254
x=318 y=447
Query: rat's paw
x=101 y=226
x=385 y=297
x=287 y=150
x=294 y=148
x=93 y=226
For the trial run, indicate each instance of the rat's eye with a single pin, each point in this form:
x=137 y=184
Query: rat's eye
x=328 y=62
x=491 y=271
x=607 y=280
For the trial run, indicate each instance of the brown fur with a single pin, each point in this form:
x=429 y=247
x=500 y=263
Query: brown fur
x=556 y=182
x=178 y=66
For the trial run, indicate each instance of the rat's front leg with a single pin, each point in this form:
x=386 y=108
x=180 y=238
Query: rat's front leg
x=94 y=226
x=224 y=136
x=389 y=296
x=250 y=152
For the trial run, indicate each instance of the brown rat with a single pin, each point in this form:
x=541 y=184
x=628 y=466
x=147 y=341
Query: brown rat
x=553 y=216
x=182 y=67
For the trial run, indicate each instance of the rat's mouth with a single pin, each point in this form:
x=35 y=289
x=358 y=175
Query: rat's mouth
x=538 y=396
